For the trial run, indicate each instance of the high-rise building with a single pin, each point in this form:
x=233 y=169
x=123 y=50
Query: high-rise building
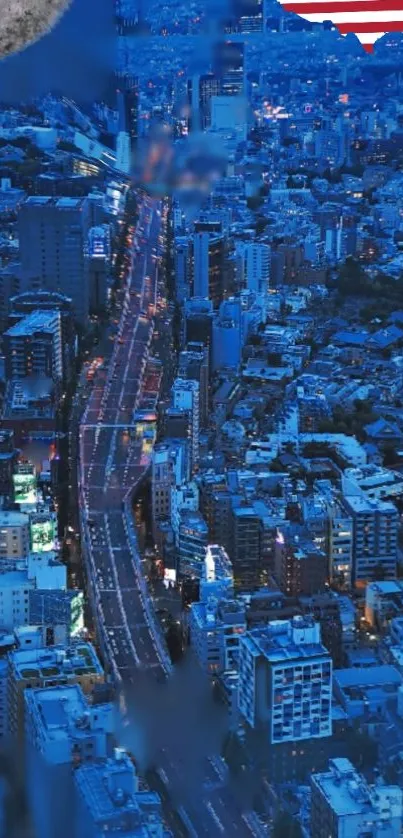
x=109 y=800
x=248 y=15
x=375 y=526
x=229 y=67
x=186 y=396
x=245 y=547
x=53 y=235
x=128 y=106
x=99 y=263
x=199 y=321
x=344 y=804
x=182 y=267
x=201 y=89
x=208 y=265
x=194 y=365
x=24 y=304
x=285 y=681
x=33 y=347
x=253 y=266
x=193 y=541
x=168 y=470
x=300 y=566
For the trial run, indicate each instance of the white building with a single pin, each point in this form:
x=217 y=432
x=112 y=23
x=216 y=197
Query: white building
x=185 y=396
x=253 y=266
x=285 y=681
x=344 y=805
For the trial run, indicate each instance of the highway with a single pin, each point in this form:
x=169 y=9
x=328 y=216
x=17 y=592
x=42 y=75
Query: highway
x=116 y=436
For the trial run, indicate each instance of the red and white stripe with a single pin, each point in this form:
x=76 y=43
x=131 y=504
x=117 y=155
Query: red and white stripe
x=368 y=19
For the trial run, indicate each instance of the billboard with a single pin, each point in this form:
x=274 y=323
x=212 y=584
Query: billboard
x=43 y=535
x=24 y=488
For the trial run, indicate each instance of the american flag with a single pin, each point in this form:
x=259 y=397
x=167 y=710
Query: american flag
x=368 y=19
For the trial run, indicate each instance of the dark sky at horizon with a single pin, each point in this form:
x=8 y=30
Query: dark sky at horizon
x=76 y=58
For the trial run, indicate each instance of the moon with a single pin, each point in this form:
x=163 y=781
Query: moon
x=24 y=21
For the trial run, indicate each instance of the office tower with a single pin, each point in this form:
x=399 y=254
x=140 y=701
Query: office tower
x=99 y=266
x=33 y=347
x=109 y=800
x=343 y=803
x=183 y=497
x=63 y=731
x=31 y=667
x=375 y=526
x=201 y=89
x=253 y=266
x=245 y=547
x=24 y=304
x=182 y=267
x=248 y=16
x=193 y=541
x=14 y=536
x=285 y=682
x=53 y=235
x=198 y=321
x=128 y=106
x=186 y=396
x=300 y=566
x=194 y=365
x=229 y=67
x=208 y=265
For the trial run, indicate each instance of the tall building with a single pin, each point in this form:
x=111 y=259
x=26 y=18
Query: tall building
x=99 y=264
x=24 y=304
x=193 y=541
x=201 y=89
x=344 y=804
x=375 y=526
x=199 y=321
x=62 y=732
x=208 y=265
x=186 y=396
x=253 y=266
x=194 y=365
x=229 y=67
x=33 y=347
x=300 y=566
x=182 y=267
x=109 y=800
x=169 y=469
x=53 y=235
x=285 y=681
x=128 y=106
x=248 y=15
x=245 y=547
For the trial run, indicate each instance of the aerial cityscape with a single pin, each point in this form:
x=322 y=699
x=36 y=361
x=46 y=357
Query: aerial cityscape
x=201 y=423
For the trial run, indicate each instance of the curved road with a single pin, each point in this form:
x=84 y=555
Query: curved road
x=114 y=452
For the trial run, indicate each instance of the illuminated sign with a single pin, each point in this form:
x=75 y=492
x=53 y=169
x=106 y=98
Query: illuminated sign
x=24 y=488
x=43 y=535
